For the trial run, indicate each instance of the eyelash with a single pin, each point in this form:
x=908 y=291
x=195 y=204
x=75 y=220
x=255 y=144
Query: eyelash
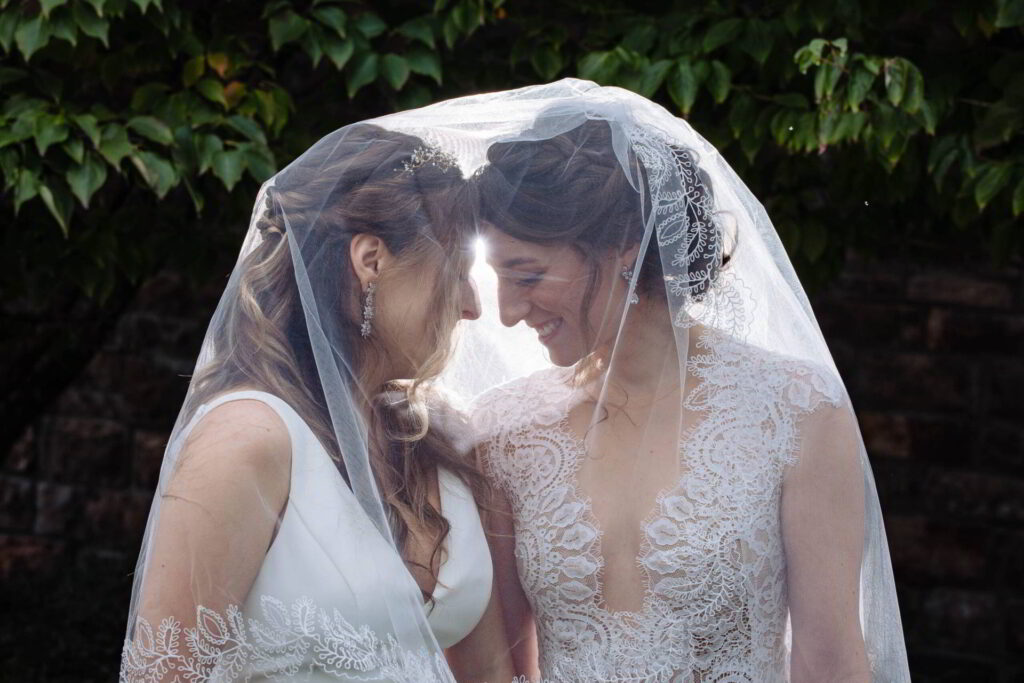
x=529 y=281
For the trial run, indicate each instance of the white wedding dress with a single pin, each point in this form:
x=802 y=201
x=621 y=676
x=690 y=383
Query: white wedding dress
x=314 y=612
x=715 y=602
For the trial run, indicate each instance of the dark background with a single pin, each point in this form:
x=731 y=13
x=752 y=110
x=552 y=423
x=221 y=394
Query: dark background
x=905 y=231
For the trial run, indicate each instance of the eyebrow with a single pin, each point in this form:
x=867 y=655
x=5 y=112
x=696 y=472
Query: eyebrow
x=512 y=263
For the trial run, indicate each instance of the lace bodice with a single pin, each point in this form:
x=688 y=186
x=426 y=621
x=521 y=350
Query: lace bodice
x=715 y=607
x=315 y=611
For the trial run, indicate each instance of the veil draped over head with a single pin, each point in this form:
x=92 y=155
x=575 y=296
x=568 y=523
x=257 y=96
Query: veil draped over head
x=658 y=531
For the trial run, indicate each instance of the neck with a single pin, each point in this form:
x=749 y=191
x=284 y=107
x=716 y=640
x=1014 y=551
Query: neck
x=644 y=361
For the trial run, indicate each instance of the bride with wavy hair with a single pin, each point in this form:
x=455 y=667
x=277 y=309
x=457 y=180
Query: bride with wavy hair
x=315 y=515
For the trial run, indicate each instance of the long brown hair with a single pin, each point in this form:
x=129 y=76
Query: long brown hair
x=362 y=179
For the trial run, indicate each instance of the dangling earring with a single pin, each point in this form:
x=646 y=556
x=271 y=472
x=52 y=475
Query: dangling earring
x=627 y=275
x=368 y=310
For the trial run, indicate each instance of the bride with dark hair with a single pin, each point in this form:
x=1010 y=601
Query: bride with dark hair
x=683 y=493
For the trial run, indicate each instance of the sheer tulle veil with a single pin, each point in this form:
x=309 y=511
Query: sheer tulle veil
x=743 y=339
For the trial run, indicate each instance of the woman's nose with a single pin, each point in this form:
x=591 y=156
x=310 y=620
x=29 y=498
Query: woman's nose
x=470 y=301
x=511 y=306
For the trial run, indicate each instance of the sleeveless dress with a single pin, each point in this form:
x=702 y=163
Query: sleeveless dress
x=315 y=610
x=715 y=606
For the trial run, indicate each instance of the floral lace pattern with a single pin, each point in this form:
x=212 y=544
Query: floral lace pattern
x=290 y=642
x=716 y=606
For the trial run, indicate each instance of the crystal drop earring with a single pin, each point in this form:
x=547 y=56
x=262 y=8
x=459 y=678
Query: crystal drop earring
x=368 y=310
x=627 y=275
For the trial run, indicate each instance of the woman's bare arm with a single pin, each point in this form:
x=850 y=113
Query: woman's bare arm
x=823 y=533
x=217 y=513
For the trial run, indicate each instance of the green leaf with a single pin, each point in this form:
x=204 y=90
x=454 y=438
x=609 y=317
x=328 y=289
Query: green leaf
x=1018 y=199
x=600 y=67
x=721 y=33
x=143 y=5
x=895 y=80
x=228 y=165
x=32 y=35
x=248 y=128
x=88 y=124
x=86 y=177
x=285 y=28
x=546 y=61
x=992 y=180
x=58 y=200
x=859 y=87
x=259 y=161
x=421 y=29
x=90 y=23
x=683 y=85
x=741 y=115
x=9 y=21
x=152 y=128
x=337 y=50
x=914 y=95
x=48 y=130
x=653 y=76
x=48 y=6
x=311 y=43
x=395 y=70
x=212 y=90
x=25 y=188
x=207 y=147
x=999 y=125
x=333 y=17
x=75 y=148
x=114 y=145
x=719 y=81
x=63 y=27
x=425 y=63
x=825 y=80
x=758 y=40
x=364 y=71
x=928 y=117
x=370 y=25
x=145 y=97
x=414 y=95
x=193 y=70
x=158 y=173
x=1011 y=13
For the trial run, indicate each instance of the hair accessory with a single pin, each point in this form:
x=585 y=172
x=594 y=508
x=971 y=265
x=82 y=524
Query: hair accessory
x=368 y=310
x=627 y=275
x=429 y=154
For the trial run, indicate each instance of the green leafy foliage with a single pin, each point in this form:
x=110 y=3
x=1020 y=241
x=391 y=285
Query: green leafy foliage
x=856 y=131
x=202 y=103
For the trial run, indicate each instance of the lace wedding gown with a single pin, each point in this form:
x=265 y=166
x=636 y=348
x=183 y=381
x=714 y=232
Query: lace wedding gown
x=715 y=602
x=314 y=612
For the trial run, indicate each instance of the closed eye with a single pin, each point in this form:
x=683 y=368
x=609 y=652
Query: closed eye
x=521 y=278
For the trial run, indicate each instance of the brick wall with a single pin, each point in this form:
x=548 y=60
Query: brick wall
x=933 y=357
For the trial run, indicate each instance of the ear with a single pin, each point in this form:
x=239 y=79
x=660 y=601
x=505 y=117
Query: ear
x=369 y=257
x=627 y=255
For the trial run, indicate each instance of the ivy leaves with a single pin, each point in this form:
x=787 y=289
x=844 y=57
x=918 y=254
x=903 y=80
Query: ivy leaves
x=208 y=106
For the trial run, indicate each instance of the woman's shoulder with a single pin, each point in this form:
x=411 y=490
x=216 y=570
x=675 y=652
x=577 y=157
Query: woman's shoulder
x=802 y=383
x=531 y=399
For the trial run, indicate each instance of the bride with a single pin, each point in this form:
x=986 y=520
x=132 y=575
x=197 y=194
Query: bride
x=682 y=494
x=309 y=447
